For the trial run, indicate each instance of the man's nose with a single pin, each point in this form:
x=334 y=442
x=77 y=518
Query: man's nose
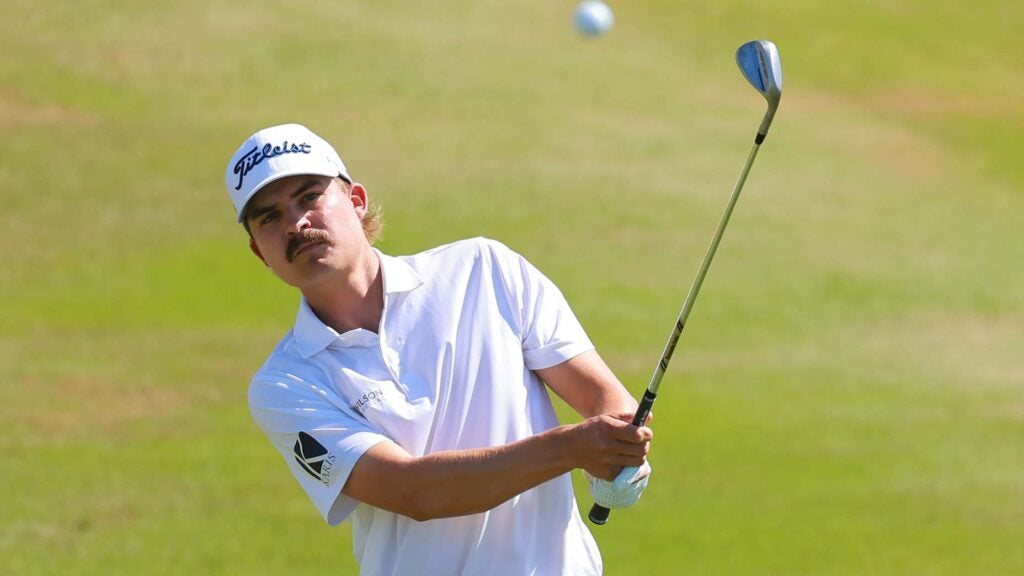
x=298 y=220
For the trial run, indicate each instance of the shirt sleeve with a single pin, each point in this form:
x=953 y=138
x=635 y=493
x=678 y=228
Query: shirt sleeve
x=550 y=332
x=319 y=437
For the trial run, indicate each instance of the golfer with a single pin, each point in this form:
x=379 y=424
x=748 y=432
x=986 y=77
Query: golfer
x=412 y=393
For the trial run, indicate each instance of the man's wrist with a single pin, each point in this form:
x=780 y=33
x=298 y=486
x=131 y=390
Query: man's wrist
x=562 y=445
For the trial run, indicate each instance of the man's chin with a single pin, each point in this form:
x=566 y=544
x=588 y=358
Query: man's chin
x=305 y=272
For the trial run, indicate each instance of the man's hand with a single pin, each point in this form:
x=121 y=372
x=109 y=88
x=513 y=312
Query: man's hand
x=605 y=444
x=625 y=491
x=613 y=455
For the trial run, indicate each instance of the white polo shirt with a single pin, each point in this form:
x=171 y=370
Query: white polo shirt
x=462 y=329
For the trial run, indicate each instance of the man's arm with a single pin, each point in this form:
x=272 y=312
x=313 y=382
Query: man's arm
x=460 y=482
x=589 y=386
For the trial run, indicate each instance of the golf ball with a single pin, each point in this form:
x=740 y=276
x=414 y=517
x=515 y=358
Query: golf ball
x=594 y=18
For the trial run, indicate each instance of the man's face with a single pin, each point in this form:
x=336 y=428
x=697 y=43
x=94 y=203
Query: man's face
x=304 y=227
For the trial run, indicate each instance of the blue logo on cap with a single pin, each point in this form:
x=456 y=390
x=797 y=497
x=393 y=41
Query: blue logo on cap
x=252 y=158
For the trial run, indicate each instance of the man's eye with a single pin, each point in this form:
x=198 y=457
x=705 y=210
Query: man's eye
x=267 y=219
x=310 y=197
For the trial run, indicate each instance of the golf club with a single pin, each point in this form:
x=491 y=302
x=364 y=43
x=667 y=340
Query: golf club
x=759 y=62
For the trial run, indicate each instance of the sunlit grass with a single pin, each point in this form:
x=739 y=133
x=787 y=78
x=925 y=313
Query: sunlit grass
x=848 y=397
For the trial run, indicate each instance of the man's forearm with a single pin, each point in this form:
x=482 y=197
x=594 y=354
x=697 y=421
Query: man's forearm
x=458 y=482
x=589 y=386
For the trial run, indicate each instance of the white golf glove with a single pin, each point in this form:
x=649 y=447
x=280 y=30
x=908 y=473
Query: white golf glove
x=624 y=491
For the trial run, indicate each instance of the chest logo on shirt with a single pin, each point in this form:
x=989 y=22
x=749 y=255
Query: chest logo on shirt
x=366 y=399
x=314 y=458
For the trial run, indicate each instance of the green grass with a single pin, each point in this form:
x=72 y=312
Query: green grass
x=848 y=397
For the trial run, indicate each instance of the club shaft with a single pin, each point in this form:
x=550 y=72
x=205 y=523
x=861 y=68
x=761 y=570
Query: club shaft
x=599 y=514
x=691 y=297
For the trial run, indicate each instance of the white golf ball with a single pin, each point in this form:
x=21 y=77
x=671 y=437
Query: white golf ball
x=594 y=18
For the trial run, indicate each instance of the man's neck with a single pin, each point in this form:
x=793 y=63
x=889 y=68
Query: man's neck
x=351 y=300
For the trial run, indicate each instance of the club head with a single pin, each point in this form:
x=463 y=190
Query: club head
x=759 y=61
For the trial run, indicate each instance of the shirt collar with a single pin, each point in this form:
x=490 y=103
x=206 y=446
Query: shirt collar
x=312 y=335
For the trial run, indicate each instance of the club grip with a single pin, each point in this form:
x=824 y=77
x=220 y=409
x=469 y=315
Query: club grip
x=644 y=410
x=599 y=514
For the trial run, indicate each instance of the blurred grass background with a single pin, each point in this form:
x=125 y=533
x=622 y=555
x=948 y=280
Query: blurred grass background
x=848 y=397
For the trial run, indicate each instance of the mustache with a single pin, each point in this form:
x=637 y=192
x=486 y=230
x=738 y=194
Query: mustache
x=295 y=243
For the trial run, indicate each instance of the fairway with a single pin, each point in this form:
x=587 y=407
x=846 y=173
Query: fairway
x=847 y=399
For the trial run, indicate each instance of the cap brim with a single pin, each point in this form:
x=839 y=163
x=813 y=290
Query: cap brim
x=285 y=174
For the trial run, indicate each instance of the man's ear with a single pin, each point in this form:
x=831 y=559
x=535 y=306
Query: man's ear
x=256 y=250
x=359 y=198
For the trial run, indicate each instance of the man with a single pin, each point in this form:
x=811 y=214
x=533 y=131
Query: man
x=410 y=394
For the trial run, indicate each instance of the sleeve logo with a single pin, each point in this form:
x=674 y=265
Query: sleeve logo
x=313 y=458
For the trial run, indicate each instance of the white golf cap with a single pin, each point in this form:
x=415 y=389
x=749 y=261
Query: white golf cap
x=277 y=152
